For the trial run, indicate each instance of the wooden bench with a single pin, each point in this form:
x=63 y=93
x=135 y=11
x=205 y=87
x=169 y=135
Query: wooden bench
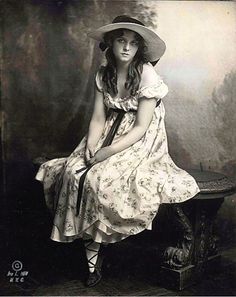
x=192 y=246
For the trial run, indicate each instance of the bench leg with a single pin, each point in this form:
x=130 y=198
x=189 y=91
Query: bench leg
x=180 y=255
x=205 y=240
x=184 y=262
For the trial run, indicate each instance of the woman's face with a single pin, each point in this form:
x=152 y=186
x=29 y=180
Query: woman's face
x=125 y=47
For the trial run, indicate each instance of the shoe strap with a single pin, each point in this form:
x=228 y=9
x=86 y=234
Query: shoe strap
x=87 y=243
x=90 y=262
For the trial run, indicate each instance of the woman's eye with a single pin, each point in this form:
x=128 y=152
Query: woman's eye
x=135 y=43
x=120 y=40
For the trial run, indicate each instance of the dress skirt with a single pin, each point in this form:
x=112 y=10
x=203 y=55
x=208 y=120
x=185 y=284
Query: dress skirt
x=122 y=194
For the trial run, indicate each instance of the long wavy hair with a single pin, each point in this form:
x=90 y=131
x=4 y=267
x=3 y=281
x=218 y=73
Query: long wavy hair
x=109 y=75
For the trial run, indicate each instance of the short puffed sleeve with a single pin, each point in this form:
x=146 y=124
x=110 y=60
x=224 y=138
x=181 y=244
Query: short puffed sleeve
x=157 y=90
x=152 y=84
x=98 y=79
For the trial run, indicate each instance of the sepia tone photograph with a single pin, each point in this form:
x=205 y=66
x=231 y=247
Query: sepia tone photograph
x=118 y=148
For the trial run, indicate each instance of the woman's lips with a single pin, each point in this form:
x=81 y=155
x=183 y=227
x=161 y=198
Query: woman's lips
x=124 y=54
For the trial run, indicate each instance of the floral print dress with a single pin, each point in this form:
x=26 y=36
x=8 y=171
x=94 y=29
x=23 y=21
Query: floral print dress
x=121 y=195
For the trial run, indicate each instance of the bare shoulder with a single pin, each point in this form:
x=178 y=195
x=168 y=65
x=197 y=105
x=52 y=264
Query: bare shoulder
x=149 y=75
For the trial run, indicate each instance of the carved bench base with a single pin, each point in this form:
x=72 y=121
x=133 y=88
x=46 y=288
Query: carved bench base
x=193 y=248
x=188 y=257
x=179 y=279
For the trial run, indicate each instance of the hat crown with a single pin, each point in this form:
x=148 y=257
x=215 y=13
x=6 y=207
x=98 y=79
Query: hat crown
x=126 y=19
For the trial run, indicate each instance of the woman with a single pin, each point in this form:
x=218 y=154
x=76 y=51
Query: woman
x=112 y=184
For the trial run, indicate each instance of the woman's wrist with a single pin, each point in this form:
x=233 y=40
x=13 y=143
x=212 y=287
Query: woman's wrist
x=90 y=143
x=112 y=149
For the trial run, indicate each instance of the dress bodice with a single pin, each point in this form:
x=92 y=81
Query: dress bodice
x=157 y=91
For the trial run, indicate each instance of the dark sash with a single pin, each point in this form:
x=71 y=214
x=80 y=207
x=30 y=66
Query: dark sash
x=106 y=142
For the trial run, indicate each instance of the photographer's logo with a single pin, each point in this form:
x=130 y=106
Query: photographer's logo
x=17 y=274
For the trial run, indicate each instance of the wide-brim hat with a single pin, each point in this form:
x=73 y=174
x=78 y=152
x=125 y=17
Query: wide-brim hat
x=155 y=46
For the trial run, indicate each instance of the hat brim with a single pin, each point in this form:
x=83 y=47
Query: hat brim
x=155 y=45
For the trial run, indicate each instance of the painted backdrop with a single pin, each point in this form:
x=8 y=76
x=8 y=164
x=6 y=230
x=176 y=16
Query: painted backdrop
x=48 y=78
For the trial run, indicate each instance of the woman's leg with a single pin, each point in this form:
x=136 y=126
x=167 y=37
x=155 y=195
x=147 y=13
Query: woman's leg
x=94 y=262
x=92 y=249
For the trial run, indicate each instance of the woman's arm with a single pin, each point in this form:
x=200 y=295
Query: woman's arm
x=143 y=118
x=96 y=125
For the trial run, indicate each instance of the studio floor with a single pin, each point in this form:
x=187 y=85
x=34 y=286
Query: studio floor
x=61 y=273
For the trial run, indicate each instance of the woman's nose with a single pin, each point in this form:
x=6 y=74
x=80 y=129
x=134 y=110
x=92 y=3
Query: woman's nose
x=126 y=46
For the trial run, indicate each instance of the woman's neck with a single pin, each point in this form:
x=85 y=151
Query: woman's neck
x=122 y=68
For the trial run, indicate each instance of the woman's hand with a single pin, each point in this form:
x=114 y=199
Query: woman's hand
x=101 y=155
x=89 y=153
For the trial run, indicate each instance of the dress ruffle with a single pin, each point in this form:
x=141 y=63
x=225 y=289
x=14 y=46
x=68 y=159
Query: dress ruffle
x=158 y=91
x=98 y=231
